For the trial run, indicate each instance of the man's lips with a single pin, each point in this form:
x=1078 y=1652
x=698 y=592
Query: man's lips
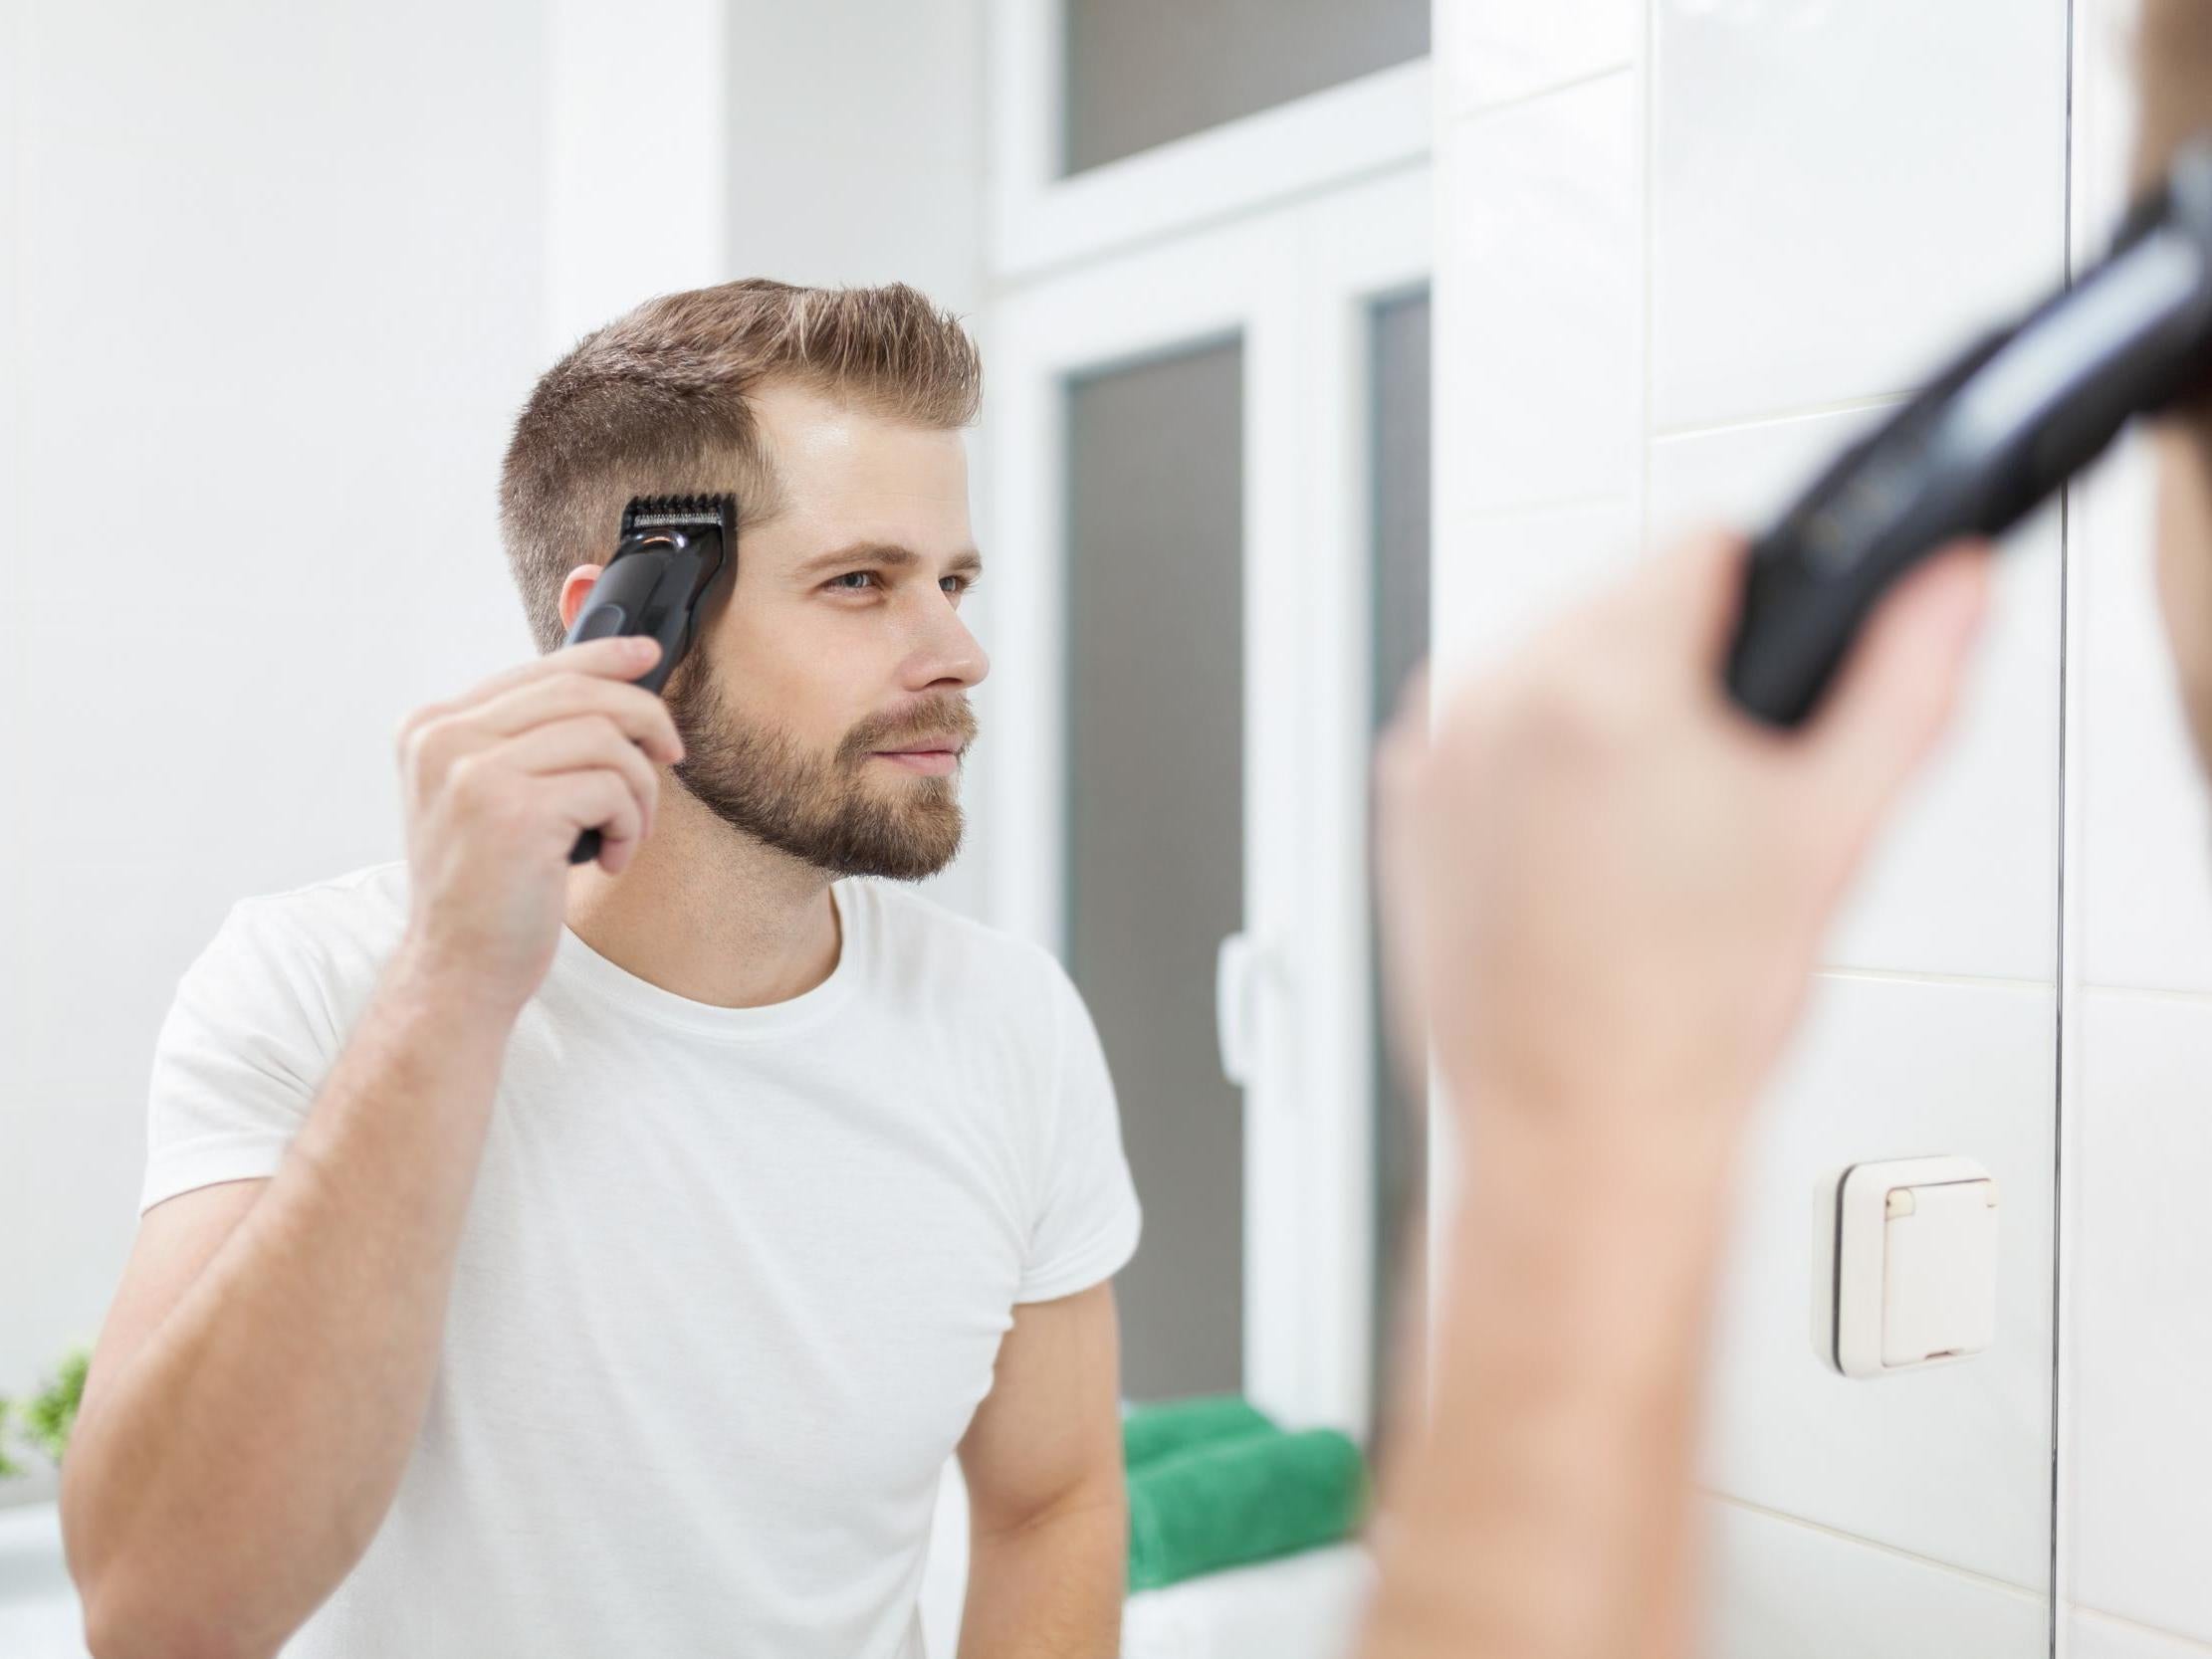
x=937 y=757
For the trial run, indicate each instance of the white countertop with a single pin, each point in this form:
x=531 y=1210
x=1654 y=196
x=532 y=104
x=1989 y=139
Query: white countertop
x=39 y=1617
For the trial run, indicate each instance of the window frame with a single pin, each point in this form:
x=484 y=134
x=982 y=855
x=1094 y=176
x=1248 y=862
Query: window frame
x=1297 y=283
x=1039 y=218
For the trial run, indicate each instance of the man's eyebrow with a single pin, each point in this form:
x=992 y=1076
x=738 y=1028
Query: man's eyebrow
x=889 y=554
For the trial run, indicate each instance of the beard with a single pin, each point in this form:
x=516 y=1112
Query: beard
x=827 y=811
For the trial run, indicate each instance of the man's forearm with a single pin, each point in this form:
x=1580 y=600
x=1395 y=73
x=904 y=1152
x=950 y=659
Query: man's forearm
x=1545 y=1513
x=1051 y=1589
x=231 y=1473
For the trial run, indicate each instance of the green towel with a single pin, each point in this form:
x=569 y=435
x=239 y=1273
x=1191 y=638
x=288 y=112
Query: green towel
x=1154 y=1430
x=1249 y=1499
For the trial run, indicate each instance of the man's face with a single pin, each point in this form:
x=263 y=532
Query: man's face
x=839 y=646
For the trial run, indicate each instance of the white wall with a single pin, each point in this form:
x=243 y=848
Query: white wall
x=1685 y=247
x=277 y=278
x=855 y=157
x=2135 y=1439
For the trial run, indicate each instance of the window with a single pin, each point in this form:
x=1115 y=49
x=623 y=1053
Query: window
x=1139 y=73
x=1154 y=777
x=1399 y=479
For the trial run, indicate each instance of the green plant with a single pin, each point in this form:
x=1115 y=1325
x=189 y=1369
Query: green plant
x=47 y=1418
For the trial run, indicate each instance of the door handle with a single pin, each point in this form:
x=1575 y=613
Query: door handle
x=1232 y=1010
x=1242 y=967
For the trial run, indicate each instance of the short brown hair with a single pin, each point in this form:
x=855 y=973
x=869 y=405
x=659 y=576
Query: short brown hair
x=656 y=403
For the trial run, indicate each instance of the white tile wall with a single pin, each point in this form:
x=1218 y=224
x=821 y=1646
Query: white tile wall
x=1952 y=1462
x=2097 y=1637
x=1543 y=232
x=1778 y=1590
x=1507 y=49
x=1840 y=189
x=2135 y=1448
x=1836 y=193
x=2145 y=855
x=2137 y=1455
x=1796 y=208
x=1965 y=880
x=1496 y=577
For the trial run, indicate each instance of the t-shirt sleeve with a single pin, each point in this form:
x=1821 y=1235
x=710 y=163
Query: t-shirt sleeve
x=239 y=1060
x=1088 y=1219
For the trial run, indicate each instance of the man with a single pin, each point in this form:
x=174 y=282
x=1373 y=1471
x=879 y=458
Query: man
x=557 y=1261
x=1594 y=845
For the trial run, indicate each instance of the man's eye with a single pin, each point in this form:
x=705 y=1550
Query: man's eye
x=848 y=582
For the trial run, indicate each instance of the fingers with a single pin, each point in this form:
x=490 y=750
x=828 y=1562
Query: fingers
x=617 y=657
x=641 y=716
x=599 y=799
x=1898 y=688
x=582 y=744
x=433 y=740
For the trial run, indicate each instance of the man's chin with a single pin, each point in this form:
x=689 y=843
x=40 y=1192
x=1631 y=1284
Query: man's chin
x=912 y=842
x=909 y=864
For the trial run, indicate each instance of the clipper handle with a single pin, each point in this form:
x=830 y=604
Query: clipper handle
x=1881 y=506
x=2003 y=426
x=624 y=602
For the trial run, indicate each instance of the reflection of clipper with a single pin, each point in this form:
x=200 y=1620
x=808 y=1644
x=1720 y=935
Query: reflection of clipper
x=671 y=551
x=2003 y=426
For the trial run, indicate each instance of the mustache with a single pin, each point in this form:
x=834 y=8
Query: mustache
x=949 y=717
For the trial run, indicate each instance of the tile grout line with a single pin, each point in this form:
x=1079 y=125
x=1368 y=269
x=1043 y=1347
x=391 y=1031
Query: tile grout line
x=1478 y=110
x=2079 y=988
x=2194 y=1643
x=1929 y=1562
x=1918 y=976
x=1777 y=417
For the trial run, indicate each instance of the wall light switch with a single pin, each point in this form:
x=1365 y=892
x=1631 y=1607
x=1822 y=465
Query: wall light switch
x=1904 y=1265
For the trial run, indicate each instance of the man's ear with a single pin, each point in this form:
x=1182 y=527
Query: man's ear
x=575 y=588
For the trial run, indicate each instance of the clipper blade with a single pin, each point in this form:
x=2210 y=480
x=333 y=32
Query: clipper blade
x=696 y=513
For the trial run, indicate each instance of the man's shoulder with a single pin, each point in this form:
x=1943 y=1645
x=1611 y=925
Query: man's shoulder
x=370 y=898
x=341 y=926
x=921 y=935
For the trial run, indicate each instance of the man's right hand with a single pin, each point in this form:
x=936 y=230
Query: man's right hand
x=262 y=1378
x=1610 y=882
x=499 y=782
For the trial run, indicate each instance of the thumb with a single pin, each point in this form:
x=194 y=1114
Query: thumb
x=1899 y=685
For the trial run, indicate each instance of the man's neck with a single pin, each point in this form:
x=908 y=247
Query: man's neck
x=708 y=914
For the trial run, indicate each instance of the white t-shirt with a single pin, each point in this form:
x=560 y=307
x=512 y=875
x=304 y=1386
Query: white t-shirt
x=732 y=1281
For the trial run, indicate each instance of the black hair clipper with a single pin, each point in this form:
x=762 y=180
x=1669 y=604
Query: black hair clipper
x=671 y=551
x=2003 y=425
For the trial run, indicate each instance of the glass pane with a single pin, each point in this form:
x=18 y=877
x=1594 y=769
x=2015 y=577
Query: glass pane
x=1400 y=378
x=1138 y=72
x=1156 y=838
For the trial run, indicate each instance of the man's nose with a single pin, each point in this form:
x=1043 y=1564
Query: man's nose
x=947 y=651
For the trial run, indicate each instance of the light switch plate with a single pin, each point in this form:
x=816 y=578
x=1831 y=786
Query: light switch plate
x=1904 y=1265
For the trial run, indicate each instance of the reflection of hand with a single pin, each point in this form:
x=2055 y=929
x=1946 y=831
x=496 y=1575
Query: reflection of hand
x=1606 y=883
